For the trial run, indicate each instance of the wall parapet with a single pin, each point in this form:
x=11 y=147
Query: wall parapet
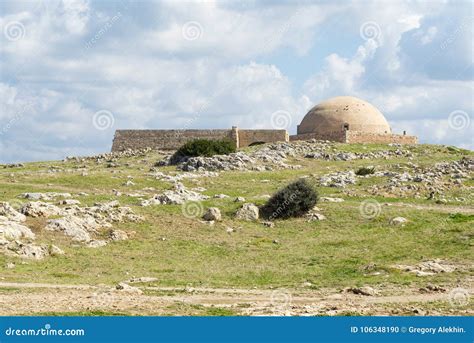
x=173 y=139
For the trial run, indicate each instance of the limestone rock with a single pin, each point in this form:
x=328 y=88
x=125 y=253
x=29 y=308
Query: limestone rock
x=398 y=221
x=45 y=196
x=315 y=217
x=124 y=287
x=10 y=213
x=41 y=209
x=248 y=212
x=118 y=235
x=212 y=214
x=69 y=202
x=11 y=230
x=328 y=199
x=79 y=229
x=55 y=251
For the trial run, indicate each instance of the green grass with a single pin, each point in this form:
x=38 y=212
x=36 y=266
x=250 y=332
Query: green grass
x=330 y=253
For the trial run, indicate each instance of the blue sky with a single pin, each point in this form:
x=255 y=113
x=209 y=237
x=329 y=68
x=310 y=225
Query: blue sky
x=71 y=72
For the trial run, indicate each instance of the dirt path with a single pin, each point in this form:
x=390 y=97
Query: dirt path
x=30 y=298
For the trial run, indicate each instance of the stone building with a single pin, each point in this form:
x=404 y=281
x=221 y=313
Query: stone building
x=348 y=119
x=343 y=119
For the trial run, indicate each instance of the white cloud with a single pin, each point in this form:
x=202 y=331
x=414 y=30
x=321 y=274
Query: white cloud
x=130 y=58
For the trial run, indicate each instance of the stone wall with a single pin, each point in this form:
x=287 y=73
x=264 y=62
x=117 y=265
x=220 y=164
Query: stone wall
x=364 y=137
x=173 y=139
x=350 y=136
x=335 y=136
x=247 y=137
x=162 y=139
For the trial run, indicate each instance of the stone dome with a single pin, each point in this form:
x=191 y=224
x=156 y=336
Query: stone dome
x=344 y=112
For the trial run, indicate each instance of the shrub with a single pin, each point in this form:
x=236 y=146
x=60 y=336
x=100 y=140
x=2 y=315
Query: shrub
x=203 y=147
x=365 y=171
x=294 y=200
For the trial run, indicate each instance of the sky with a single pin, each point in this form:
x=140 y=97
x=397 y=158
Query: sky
x=74 y=71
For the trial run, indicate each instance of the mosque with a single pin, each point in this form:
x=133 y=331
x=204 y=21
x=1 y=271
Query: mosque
x=344 y=119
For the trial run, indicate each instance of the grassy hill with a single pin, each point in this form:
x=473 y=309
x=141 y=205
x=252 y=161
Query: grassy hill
x=348 y=249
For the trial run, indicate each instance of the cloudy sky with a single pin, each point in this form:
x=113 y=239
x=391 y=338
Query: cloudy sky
x=73 y=71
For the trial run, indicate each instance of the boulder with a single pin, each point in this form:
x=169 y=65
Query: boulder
x=212 y=213
x=118 y=235
x=69 y=202
x=11 y=230
x=55 y=251
x=10 y=213
x=248 y=212
x=41 y=209
x=398 y=221
x=79 y=229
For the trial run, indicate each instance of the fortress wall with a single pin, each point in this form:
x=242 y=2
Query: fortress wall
x=247 y=137
x=163 y=139
x=364 y=137
x=173 y=139
x=357 y=137
x=335 y=136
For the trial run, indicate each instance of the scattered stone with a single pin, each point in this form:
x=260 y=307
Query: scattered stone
x=328 y=199
x=338 y=179
x=10 y=265
x=10 y=213
x=268 y=224
x=366 y=290
x=398 y=221
x=143 y=279
x=427 y=268
x=118 y=235
x=79 y=229
x=124 y=287
x=178 y=196
x=45 y=196
x=239 y=199
x=432 y=289
x=11 y=230
x=97 y=244
x=55 y=251
x=221 y=196
x=212 y=214
x=41 y=209
x=69 y=202
x=248 y=212
x=315 y=217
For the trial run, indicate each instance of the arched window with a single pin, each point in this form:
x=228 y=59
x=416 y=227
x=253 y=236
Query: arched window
x=346 y=127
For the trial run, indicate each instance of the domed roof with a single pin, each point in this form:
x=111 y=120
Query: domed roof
x=341 y=112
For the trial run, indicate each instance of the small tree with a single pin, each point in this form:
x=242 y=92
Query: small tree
x=294 y=200
x=203 y=147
